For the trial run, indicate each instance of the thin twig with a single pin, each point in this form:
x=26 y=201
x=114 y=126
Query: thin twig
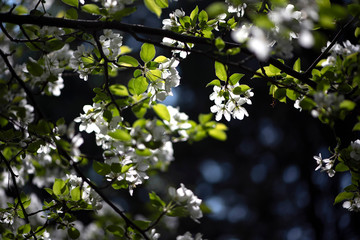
x=321 y=56
x=17 y=192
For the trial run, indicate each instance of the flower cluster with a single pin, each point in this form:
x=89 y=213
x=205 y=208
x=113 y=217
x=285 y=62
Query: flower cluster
x=229 y=104
x=188 y=236
x=82 y=61
x=239 y=9
x=352 y=205
x=54 y=65
x=111 y=43
x=173 y=21
x=355 y=151
x=161 y=87
x=186 y=197
x=143 y=147
x=178 y=123
x=87 y=193
x=329 y=103
x=289 y=24
x=325 y=165
x=346 y=49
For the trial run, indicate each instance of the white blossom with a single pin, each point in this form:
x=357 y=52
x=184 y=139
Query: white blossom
x=355 y=150
x=186 y=197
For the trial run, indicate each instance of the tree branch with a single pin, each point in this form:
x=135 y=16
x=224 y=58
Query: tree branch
x=17 y=192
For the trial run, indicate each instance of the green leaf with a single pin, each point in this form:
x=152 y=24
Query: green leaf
x=343 y=196
x=73 y=3
x=204 y=118
x=341 y=167
x=118 y=15
x=156 y=200
x=73 y=233
x=147 y=52
x=128 y=61
x=101 y=168
x=280 y=93
x=138 y=85
x=235 y=78
x=241 y=89
x=194 y=15
x=348 y=105
x=120 y=134
x=220 y=71
x=91 y=8
x=217 y=134
x=75 y=194
x=55 y=44
x=162 y=3
x=71 y=14
x=203 y=16
x=153 y=7
x=162 y=111
x=307 y=104
x=274 y=69
x=357 y=32
x=297 y=65
x=215 y=82
x=119 y=90
x=34 y=68
x=356 y=127
x=291 y=94
x=116 y=230
x=59 y=186
x=219 y=43
x=24 y=229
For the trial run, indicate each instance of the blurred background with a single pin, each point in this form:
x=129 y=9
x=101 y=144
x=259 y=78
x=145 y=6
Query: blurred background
x=260 y=183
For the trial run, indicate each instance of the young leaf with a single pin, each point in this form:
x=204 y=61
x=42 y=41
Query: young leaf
x=203 y=16
x=343 y=196
x=75 y=194
x=128 y=61
x=34 y=68
x=214 y=82
x=121 y=135
x=73 y=3
x=162 y=111
x=235 y=78
x=162 y=3
x=156 y=200
x=219 y=43
x=138 y=85
x=91 y=8
x=153 y=7
x=101 y=168
x=119 y=90
x=217 y=134
x=220 y=71
x=73 y=233
x=58 y=186
x=297 y=65
x=147 y=52
x=241 y=89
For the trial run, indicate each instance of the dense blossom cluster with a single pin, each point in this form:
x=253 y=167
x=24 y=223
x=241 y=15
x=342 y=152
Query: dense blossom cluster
x=186 y=197
x=232 y=104
x=161 y=86
x=341 y=50
x=288 y=24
